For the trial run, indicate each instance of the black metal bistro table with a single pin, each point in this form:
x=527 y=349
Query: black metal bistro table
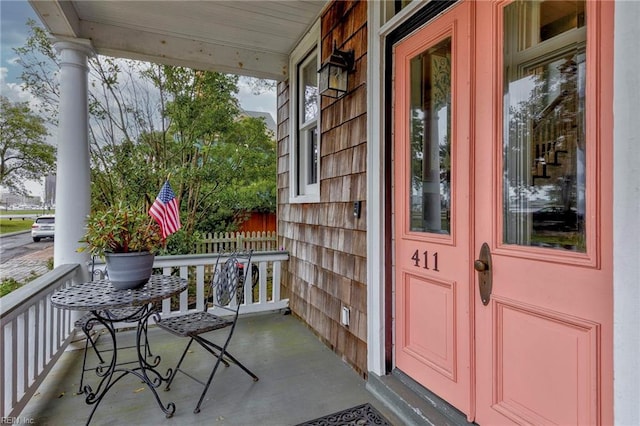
x=99 y=297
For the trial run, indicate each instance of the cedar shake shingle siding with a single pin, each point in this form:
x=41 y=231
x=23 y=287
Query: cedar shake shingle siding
x=327 y=244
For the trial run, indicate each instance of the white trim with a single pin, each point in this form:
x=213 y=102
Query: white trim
x=626 y=205
x=375 y=193
x=398 y=19
x=376 y=256
x=310 y=42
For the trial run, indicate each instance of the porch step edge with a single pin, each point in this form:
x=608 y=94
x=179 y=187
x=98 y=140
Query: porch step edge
x=412 y=403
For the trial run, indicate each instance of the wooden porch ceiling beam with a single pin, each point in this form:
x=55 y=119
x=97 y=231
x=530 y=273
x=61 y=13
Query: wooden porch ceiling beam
x=160 y=48
x=62 y=21
x=60 y=16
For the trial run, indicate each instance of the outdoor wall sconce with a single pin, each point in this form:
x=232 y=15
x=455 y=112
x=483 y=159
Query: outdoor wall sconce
x=334 y=73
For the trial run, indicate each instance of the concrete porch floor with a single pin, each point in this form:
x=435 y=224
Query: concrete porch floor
x=300 y=380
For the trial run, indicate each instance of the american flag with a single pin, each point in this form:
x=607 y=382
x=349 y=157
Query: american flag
x=166 y=210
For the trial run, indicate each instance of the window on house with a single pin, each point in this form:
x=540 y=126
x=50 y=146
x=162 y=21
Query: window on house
x=305 y=113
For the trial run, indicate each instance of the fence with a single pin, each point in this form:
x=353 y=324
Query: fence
x=231 y=241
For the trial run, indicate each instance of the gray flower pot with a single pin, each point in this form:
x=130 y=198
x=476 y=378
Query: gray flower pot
x=129 y=270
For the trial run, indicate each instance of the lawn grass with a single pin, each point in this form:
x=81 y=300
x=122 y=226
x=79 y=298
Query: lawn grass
x=14 y=225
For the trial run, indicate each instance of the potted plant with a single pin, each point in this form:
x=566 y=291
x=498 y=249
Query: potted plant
x=127 y=238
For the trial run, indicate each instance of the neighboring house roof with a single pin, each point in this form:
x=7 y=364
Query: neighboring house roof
x=268 y=119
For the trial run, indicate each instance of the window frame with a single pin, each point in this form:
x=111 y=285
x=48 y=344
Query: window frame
x=299 y=171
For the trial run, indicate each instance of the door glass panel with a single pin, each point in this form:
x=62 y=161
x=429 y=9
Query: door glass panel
x=544 y=130
x=430 y=136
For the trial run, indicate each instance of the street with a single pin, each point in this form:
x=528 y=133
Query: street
x=20 y=245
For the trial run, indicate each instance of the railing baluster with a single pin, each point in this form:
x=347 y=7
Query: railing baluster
x=14 y=373
x=262 y=282
x=184 y=296
x=200 y=271
x=276 y=281
x=4 y=382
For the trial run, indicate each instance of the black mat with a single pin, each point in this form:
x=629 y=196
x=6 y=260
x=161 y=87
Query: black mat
x=363 y=414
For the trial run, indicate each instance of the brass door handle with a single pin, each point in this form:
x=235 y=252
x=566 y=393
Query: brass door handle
x=485 y=273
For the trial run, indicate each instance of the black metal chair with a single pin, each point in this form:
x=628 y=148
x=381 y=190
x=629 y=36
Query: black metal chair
x=227 y=288
x=88 y=320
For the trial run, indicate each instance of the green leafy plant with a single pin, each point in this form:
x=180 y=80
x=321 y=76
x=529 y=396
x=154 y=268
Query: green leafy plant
x=8 y=285
x=121 y=229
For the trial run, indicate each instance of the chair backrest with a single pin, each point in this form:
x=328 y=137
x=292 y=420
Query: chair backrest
x=229 y=277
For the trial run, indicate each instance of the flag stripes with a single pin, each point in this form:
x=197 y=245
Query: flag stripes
x=166 y=211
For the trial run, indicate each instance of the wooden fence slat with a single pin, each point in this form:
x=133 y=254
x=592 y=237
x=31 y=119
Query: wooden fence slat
x=231 y=241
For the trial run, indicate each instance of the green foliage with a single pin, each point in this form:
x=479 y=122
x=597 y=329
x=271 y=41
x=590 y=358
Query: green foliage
x=8 y=285
x=24 y=154
x=121 y=229
x=148 y=121
x=181 y=242
x=254 y=180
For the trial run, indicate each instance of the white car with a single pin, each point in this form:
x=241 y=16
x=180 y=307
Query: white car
x=43 y=227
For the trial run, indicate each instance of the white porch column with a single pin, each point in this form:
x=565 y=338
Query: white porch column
x=626 y=205
x=73 y=179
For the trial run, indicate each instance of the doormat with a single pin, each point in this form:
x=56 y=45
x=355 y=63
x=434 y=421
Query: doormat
x=363 y=414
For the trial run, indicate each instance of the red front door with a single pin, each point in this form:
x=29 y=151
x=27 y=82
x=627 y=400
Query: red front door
x=527 y=173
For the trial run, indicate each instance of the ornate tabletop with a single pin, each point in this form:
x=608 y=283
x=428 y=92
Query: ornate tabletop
x=101 y=294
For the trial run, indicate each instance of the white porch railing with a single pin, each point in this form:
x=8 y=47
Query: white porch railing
x=197 y=268
x=34 y=334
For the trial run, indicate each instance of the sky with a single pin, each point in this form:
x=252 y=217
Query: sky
x=14 y=32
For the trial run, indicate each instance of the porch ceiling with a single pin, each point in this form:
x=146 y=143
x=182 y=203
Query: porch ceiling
x=245 y=37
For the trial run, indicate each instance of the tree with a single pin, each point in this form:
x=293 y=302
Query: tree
x=148 y=121
x=24 y=153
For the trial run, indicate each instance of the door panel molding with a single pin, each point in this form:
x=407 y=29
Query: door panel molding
x=435 y=302
x=565 y=351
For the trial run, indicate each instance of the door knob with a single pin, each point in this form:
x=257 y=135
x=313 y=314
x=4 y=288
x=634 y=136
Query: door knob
x=485 y=273
x=480 y=266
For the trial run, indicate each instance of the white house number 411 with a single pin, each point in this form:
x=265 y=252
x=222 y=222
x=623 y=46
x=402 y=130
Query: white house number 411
x=417 y=260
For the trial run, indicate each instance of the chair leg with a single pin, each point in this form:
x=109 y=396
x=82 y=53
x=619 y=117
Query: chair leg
x=239 y=364
x=206 y=387
x=175 y=370
x=219 y=358
x=224 y=353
